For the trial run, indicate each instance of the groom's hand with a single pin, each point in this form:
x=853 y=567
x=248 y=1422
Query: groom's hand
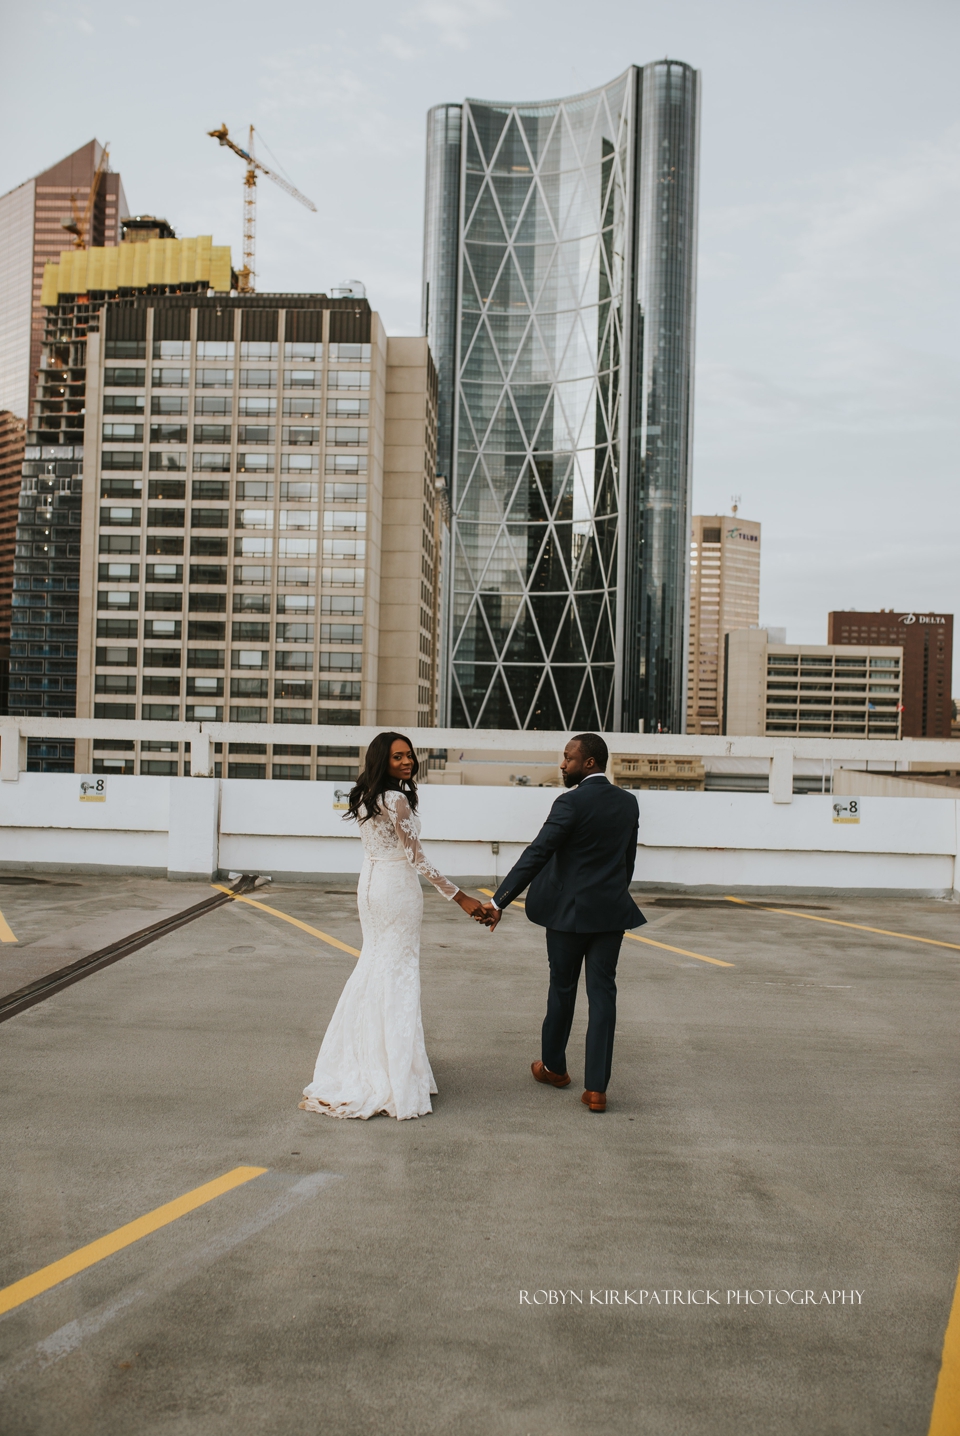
x=489 y=915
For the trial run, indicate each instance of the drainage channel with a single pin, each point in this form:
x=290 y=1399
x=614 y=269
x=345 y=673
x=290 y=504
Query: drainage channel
x=51 y=982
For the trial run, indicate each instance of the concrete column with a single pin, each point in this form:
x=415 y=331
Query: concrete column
x=13 y=751
x=781 y=773
x=193 y=843
x=201 y=756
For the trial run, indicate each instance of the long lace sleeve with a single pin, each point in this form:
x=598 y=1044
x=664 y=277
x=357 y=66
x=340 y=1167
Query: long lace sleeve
x=406 y=830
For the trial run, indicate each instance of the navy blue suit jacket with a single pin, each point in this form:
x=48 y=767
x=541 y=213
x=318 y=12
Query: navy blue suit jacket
x=580 y=864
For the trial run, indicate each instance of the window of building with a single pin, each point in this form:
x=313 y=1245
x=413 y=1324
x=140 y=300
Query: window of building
x=341 y=435
x=162 y=602
x=125 y=349
x=162 y=627
x=169 y=461
x=348 y=379
x=258 y=378
x=210 y=489
x=346 y=464
x=171 y=349
x=215 y=349
x=123 y=378
x=305 y=492
x=299 y=463
x=211 y=404
x=257 y=407
x=344 y=521
x=123 y=404
x=350 y=353
x=302 y=378
x=167 y=489
x=171 y=379
x=210 y=434
x=296 y=603
x=115 y=517
x=299 y=350
x=299 y=518
x=258 y=349
x=294 y=633
x=302 y=408
x=256 y=434
x=341 y=605
x=344 y=493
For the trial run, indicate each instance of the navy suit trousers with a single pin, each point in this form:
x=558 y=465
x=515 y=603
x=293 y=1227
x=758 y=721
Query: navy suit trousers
x=567 y=953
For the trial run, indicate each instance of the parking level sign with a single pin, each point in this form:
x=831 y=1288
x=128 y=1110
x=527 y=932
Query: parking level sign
x=93 y=790
x=848 y=812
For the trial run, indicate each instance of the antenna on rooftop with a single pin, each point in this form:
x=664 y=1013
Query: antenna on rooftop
x=734 y=504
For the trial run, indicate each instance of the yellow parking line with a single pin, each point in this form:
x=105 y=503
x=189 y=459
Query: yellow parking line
x=716 y=961
x=835 y=922
x=7 y=933
x=304 y=926
x=945 y=1416
x=58 y=1271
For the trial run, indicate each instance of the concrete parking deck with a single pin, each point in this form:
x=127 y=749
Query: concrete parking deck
x=511 y=1264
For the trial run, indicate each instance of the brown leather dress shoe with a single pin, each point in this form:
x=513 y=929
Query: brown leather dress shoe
x=543 y=1074
x=596 y=1101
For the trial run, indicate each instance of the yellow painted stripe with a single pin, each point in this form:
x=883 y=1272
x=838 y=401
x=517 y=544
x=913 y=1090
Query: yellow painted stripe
x=6 y=931
x=716 y=961
x=945 y=1417
x=48 y=1276
x=836 y=922
x=304 y=926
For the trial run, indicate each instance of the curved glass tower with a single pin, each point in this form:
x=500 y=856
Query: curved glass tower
x=559 y=280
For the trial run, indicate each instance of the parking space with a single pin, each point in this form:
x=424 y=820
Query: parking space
x=511 y=1263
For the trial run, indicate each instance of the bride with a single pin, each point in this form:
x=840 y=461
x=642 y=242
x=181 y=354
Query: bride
x=373 y=1057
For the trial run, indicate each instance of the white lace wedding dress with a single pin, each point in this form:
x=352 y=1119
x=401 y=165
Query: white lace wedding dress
x=373 y=1058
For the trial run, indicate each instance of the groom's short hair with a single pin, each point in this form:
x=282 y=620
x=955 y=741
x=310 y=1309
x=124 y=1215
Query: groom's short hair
x=593 y=747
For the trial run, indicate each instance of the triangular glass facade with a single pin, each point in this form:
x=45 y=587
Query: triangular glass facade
x=543 y=392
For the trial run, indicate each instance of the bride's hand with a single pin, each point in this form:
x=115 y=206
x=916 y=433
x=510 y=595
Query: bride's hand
x=470 y=905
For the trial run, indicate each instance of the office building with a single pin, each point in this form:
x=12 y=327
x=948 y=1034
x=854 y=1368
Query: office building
x=559 y=287
x=827 y=690
x=47 y=562
x=724 y=595
x=12 y=439
x=260 y=524
x=33 y=219
x=927 y=643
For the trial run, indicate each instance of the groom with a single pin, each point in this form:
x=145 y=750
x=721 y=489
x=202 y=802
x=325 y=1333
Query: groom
x=579 y=868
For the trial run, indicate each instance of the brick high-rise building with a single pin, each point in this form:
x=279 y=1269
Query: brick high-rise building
x=724 y=595
x=32 y=235
x=927 y=643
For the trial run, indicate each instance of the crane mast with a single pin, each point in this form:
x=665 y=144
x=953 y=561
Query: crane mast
x=247 y=274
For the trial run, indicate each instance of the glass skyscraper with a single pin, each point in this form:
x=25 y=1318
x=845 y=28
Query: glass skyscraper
x=559 y=291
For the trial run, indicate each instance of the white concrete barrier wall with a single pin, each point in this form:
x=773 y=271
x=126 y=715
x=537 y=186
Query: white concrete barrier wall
x=731 y=841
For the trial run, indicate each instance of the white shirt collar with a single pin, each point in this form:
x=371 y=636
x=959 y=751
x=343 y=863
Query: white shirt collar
x=592 y=775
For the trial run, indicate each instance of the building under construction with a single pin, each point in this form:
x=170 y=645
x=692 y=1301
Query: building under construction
x=74 y=293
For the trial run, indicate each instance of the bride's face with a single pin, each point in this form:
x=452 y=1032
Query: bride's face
x=401 y=761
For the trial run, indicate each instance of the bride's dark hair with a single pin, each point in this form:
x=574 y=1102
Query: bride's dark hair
x=375 y=779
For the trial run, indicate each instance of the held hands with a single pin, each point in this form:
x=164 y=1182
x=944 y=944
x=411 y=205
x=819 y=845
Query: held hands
x=488 y=915
x=484 y=913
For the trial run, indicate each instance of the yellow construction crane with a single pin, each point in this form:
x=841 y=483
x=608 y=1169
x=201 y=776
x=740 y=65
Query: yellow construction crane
x=79 y=224
x=246 y=275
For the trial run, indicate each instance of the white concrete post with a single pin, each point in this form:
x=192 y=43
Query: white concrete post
x=10 y=751
x=781 y=773
x=193 y=834
x=201 y=756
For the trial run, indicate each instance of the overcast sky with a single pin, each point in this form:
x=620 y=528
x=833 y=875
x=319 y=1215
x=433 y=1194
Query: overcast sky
x=828 y=330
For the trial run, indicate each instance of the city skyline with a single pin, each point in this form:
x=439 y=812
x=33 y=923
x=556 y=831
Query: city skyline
x=827 y=348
